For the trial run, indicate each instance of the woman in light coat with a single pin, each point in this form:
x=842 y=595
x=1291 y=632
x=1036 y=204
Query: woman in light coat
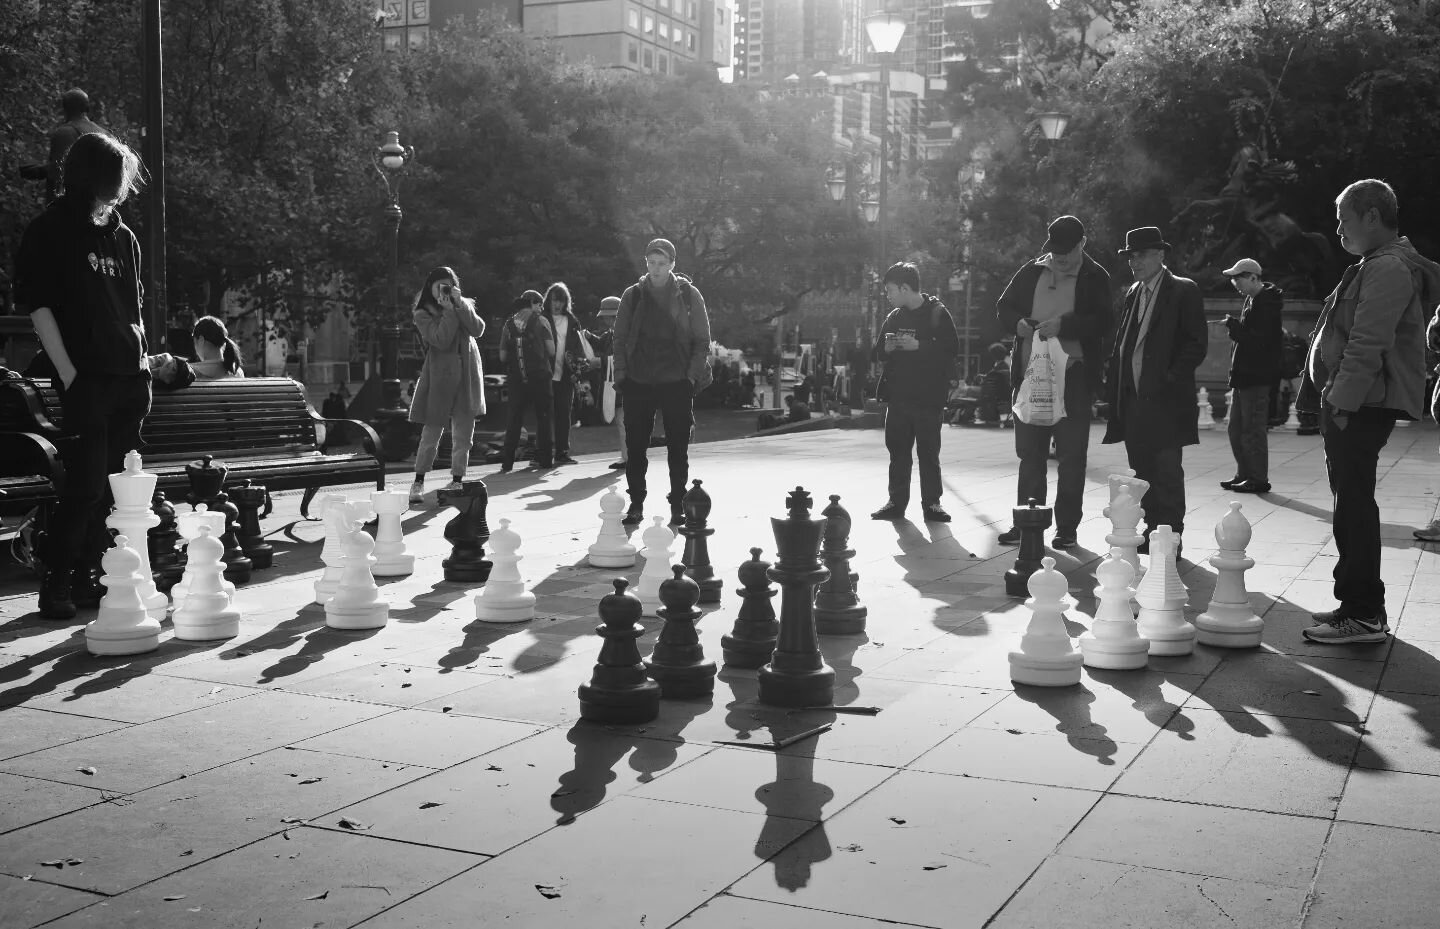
x=451 y=386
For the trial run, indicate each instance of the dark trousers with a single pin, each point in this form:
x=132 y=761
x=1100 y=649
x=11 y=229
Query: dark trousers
x=1249 y=441
x=1164 y=503
x=908 y=425
x=103 y=413
x=562 y=413
x=524 y=395
x=1072 y=444
x=1351 y=456
x=672 y=402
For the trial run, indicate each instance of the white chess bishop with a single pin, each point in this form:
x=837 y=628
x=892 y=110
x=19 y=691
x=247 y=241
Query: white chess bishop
x=1229 y=622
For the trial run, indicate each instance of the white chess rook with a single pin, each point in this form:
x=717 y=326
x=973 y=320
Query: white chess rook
x=1125 y=535
x=123 y=626
x=1229 y=622
x=504 y=598
x=612 y=548
x=1162 y=596
x=188 y=525
x=391 y=558
x=1047 y=657
x=658 y=554
x=1113 y=642
x=133 y=489
x=207 y=612
x=330 y=553
x=356 y=603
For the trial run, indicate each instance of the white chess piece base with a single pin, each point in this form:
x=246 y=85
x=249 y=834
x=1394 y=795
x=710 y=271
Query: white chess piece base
x=604 y=560
x=1168 y=632
x=1045 y=670
x=392 y=565
x=193 y=624
x=505 y=607
x=1110 y=655
x=1229 y=626
x=138 y=638
x=363 y=616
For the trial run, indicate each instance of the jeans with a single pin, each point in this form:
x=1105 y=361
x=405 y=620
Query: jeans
x=1249 y=442
x=672 y=402
x=534 y=393
x=462 y=436
x=1351 y=457
x=103 y=412
x=562 y=398
x=909 y=425
x=1072 y=443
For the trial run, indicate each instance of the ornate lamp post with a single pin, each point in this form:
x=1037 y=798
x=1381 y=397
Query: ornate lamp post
x=390 y=160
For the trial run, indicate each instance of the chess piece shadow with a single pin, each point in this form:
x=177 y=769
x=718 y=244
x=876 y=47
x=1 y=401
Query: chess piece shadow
x=793 y=795
x=598 y=751
x=1070 y=707
x=1145 y=694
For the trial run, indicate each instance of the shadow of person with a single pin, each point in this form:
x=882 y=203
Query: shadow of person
x=598 y=750
x=1392 y=535
x=578 y=488
x=793 y=795
x=1070 y=706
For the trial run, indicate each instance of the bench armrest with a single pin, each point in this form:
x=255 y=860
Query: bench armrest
x=23 y=402
x=369 y=440
x=33 y=454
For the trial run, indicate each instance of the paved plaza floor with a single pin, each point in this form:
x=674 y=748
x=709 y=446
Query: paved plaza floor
x=434 y=773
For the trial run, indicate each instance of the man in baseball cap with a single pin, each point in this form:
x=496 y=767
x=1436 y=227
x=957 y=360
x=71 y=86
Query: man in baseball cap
x=1254 y=372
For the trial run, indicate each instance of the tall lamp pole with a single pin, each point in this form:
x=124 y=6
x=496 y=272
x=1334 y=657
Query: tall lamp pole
x=153 y=152
x=885 y=30
x=391 y=419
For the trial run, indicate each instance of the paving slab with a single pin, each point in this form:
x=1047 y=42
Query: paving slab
x=28 y=902
x=1369 y=878
x=1392 y=798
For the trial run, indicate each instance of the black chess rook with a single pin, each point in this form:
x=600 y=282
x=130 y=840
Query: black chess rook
x=1032 y=521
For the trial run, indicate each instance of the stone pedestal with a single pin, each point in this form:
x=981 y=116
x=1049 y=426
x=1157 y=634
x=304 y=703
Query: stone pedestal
x=678 y=663
x=391 y=558
x=1229 y=622
x=1032 y=521
x=838 y=611
x=696 y=506
x=797 y=674
x=619 y=692
x=751 y=641
x=133 y=490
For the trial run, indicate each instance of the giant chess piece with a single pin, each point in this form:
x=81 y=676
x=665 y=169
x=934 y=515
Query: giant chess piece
x=356 y=603
x=1125 y=535
x=332 y=554
x=189 y=525
x=1127 y=479
x=504 y=598
x=797 y=674
x=1046 y=657
x=207 y=482
x=467 y=532
x=1162 y=596
x=391 y=558
x=1113 y=642
x=678 y=663
x=207 y=612
x=1229 y=621
x=838 y=611
x=1205 y=419
x=1032 y=521
x=751 y=641
x=612 y=548
x=620 y=693
x=133 y=489
x=123 y=626
x=167 y=559
x=658 y=555
x=696 y=507
x=252 y=504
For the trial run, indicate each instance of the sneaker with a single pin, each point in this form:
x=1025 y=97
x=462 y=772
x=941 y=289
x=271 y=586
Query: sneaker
x=417 y=493
x=55 y=601
x=633 y=516
x=618 y=465
x=1345 y=612
x=1348 y=630
x=564 y=460
x=890 y=510
x=1430 y=533
x=1232 y=482
x=455 y=484
x=1010 y=536
x=935 y=513
x=1064 y=541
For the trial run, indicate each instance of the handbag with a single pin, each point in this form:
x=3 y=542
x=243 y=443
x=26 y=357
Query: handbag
x=1040 y=400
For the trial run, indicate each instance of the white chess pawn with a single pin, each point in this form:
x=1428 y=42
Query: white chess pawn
x=355 y=603
x=658 y=555
x=1229 y=621
x=331 y=554
x=391 y=558
x=206 y=612
x=504 y=598
x=1125 y=535
x=1162 y=596
x=123 y=626
x=133 y=489
x=612 y=549
x=188 y=524
x=1205 y=419
x=1113 y=641
x=1047 y=657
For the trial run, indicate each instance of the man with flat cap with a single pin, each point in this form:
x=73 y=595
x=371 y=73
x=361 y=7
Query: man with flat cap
x=1254 y=370
x=1150 y=380
x=1064 y=294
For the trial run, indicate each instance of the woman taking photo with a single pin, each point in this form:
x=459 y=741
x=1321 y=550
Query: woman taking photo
x=451 y=386
x=217 y=355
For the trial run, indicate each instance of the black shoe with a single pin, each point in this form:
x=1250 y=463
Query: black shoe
x=1250 y=487
x=565 y=459
x=1232 y=482
x=1064 y=541
x=633 y=516
x=677 y=515
x=1143 y=548
x=935 y=513
x=55 y=600
x=1010 y=536
x=618 y=466
x=542 y=465
x=85 y=588
x=890 y=510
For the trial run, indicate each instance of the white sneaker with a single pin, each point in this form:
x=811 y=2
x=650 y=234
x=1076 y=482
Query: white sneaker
x=454 y=485
x=417 y=493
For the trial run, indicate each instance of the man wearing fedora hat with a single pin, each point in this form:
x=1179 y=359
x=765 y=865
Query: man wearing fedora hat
x=1150 y=380
x=1254 y=370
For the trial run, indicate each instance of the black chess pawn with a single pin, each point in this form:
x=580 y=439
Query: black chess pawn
x=1032 y=521
x=167 y=557
x=678 y=663
x=620 y=693
x=249 y=500
x=752 y=641
x=797 y=674
x=838 y=611
x=467 y=532
x=696 y=507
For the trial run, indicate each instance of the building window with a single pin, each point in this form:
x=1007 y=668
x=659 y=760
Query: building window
x=690 y=42
x=679 y=35
x=664 y=32
x=664 y=62
x=649 y=59
x=632 y=18
x=632 y=51
x=664 y=4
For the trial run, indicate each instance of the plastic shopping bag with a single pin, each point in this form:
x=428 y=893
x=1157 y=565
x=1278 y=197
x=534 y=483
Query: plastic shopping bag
x=1041 y=398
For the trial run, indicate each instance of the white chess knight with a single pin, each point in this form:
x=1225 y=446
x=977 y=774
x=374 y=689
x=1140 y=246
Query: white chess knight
x=123 y=626
x=133 y=489
x=391 y=558
x=207 y=611
x=1113 y=641
x=1162 y=597
x=1047 y=657
x=1125 y=535
x=658 y=554
x=188 y=525
x=330 y=552
x=1205 y=418
x=504 y=598
x=1229 y=621
x=612 y=548
x=356 y=603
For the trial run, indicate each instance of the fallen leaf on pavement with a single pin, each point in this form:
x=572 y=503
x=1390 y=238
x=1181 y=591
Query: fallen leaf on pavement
x=320 y=896
x=897 y=820
x=348 y=823
x=87 y=770
x=546 y=891
x=430 y=805
x=173 y=897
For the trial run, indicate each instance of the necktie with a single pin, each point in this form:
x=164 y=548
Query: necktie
x=1132 y=338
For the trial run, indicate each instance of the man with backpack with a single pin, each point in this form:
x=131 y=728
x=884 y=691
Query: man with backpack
x=662 y=360
x=527 y=351
x=1255 y=366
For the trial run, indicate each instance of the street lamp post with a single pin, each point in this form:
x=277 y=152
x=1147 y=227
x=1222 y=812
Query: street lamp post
x=841 y=183
x=391 y=418
x=885 y=30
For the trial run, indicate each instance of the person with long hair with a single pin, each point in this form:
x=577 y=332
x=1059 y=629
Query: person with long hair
x=77 y=273
x=217 y=355
x=573 y=357
x=451 y=386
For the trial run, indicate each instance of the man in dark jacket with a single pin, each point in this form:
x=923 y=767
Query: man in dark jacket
x=75 y=105
x=918 y=346
x=527 y=351
x=1064 y=294
x=1254 y=369
x=1150 y=379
